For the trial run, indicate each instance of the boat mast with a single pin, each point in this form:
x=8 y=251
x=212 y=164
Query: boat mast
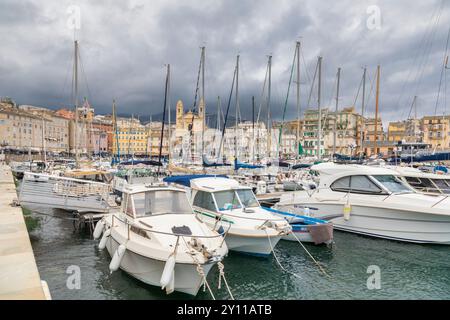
x=298 y=101
x=164 y=116
x=319 y=129
x=269 y=126
x=415 y=117
x=336 y=110
x=280 y=135
x=361 y=134
x=203 y=100
x=151 y=138
x=226 y=114
x=253 y=128
x=129 y=134
x=217 y=123
x=376 y=110
x=116 y=129
x=169 y=133
x=76 y=102
x=236 y=111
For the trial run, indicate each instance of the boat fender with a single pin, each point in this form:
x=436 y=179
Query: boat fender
x=347 y=211
x=171 y=287
x=168 y=272
x=105 y=237
x=117 y=258
x=99 y=229
x=221 y=231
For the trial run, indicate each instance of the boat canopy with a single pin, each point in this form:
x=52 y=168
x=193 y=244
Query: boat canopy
x=239 y=165
x=207 y=163
x=185 y=180
x=301 y=166
x=144 y=162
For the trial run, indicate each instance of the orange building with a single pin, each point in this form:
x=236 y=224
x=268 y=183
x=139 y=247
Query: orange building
x=106 y=128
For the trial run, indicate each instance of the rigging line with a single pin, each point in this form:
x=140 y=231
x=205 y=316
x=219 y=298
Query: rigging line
x=312 y=86
x=262 y=94
x=304 y=64
x=286 y=101
x=197 y=86
x=324 y=123
x=333 y=91
x=226 y=115
x=414 y=102
x=84 y=75
x=416 y=57
x=370 y=93
x=419 y=77
x=445 y=86
x=66 y=82
x=357 y=92
x=442 y=72
x=195 y=97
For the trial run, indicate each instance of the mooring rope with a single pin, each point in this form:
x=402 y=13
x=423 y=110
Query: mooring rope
x=276 y=258
x=201 y=272
x=205 y=282
x=222 y=275
x=310 y=255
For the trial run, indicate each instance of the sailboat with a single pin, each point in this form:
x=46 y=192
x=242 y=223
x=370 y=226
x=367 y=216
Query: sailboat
x=74 y=190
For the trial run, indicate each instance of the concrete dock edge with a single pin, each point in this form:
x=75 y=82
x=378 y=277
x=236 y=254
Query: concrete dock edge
x=19 y=275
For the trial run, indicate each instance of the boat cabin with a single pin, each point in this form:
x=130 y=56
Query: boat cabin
x=222 y=194
x=425 y=182
x=360 y=179
x=141 y=201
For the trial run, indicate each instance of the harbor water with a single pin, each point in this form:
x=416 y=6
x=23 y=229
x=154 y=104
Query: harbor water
x=406 y=271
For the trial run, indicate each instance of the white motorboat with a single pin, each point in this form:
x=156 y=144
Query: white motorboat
x=225 y=205
x=425 y=182
x=373 y=201
x=157 y=239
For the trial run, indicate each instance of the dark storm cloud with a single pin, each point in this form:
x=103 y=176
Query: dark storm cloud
x=126 y=44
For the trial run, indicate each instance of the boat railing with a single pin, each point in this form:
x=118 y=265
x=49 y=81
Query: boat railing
x=63 y=189
x=220 y=214
x=132 y=224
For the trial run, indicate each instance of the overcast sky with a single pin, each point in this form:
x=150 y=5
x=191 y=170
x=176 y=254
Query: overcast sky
x=124 y=46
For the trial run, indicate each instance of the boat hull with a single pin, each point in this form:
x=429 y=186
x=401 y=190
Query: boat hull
x=401 y=225
x=256 y=246
x=302 y=236
x=149 y=271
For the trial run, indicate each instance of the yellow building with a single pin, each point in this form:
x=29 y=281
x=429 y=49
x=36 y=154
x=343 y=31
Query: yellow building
x=184 y=121
x=396 y=131
x=436 y=131
x=188 y=129
x=131 y=140
x=154 y=138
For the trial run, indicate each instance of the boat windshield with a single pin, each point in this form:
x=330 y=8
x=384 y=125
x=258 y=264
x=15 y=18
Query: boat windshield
x=227 y=200
x=159 y=202
x=392 y=183
x=443 y=185
x=247 y=198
